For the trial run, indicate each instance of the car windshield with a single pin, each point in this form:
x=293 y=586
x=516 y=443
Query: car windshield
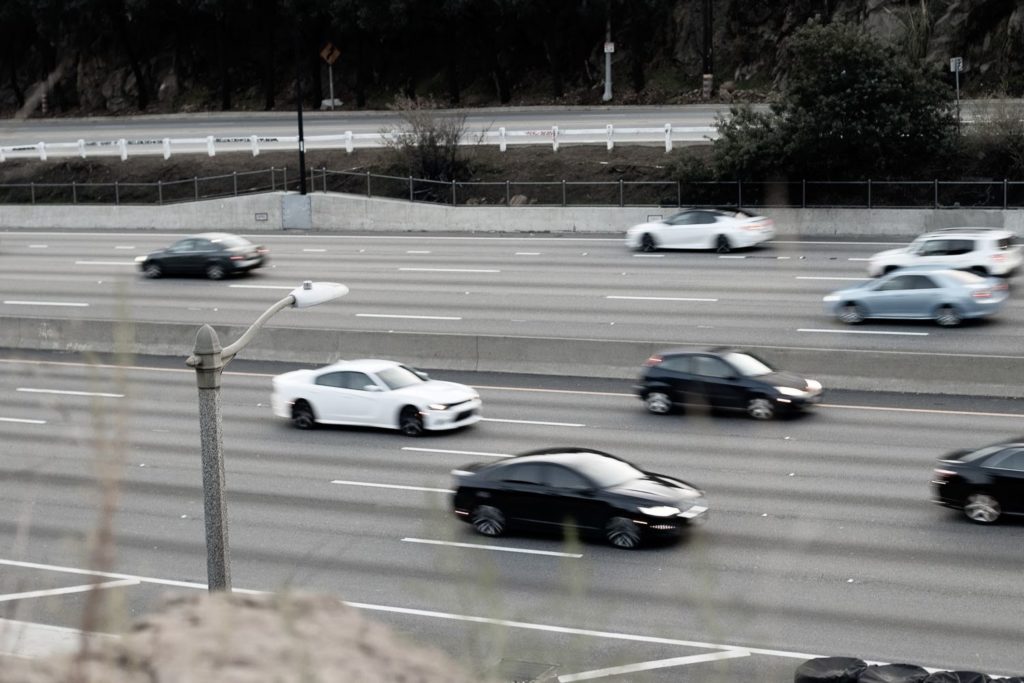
x=399 y=376
x=747 y=365
x=606 y=472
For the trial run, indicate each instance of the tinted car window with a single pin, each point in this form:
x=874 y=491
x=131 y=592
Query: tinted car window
x=524 y=473
x=677 y=364
x=330 y=379
x=183 y=245
x=747 y=364
x=707 y=366
x=704 y=217
x=959 y=247
x=205 y=245
x=562 y=477
x=355 y=380
x=398 y=377
x=921 y=282
x=1006 y=243
x=685 y=218
x=1012 y=459
x=605 y=472
x=935 y=248
x=900 y=282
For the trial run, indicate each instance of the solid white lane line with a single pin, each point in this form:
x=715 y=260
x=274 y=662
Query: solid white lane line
x=104 y=263
x=21 y=420
x=68 y=590
x=499 y=548
x=262 y=287
x=38 y=246
x=29 y=390
x=648 y=256
x=650 y=666
x=527 y=253
x=926 y=411
x=732 y=256
x=343 y=482
x=891 y=244
x=443 y=450
x=574 y=392
x=45 y=303
x=855 y=258
x=659 y=298
x=534 y=422
x=451 y=270
x=815 y=277
x=409 y=317
x=124 y=246
x=417 y=251
x=898 y=334
x=111 y=575
x=314 y=251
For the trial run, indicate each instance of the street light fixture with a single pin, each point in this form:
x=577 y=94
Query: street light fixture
x=209 y=360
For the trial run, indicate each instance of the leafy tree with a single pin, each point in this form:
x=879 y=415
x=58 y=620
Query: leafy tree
x=851 y=107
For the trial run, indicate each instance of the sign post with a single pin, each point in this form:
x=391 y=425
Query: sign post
x=330 y=55
x=956 y=65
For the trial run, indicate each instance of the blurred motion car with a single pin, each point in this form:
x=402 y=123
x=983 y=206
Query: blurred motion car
x=720 y=229
x=213 y=254
x=373 y=393
x=588 y=490
x=723 y=378
x=985 y=483
x=983 y=251
x=920 y=293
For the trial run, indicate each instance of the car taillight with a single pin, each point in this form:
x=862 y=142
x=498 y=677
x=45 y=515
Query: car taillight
x=652 y=361
x=1001 y=287
x=982 y=294
x=262 y=250
x=756 y=226
x=236 y=257
x=998 y=257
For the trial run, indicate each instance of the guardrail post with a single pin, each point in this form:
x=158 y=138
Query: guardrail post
x=74 y=192
x=81 y=148
x=410 y=188
x=323 y=175
x=621 y=193
x=234 y=182
x=611 y=131
x=348 y=141
x=453 y=193
x=869 y=193
x=117 y=193
x=273 y=179
x=679 y=193
x=284 y=176
x=563 y=192
x=122 y=144
x=32 y=191
x=3 y=157
x=160 y=192
x=1005 y=194
x=803 y=193
x=368 y=193
x=739 y=193
x=502 y=143
x=508 y=193
x=210 y=149
x=668 y=137
x=554 y=138
x=196 y=181
x=42 y=151
x=936 y=194
x=167 y=148
x=255 y=141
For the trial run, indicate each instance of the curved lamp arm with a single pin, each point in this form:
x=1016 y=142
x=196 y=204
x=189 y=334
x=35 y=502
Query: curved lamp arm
x=231 y=349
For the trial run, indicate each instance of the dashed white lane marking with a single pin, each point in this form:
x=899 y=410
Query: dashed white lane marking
x=29 y=390
x=732 y=256
x=527 y=253
x=650 y=666
x=499 y=548
x=314 y=251
x=659 y=298
x=409 y=317
x=534 y=422
x=104 y=263
x=124 y=246
x=898 y=334
x=858 y=258
x=22 y=420
x=648 y=256
x=400 y=487
x=452 y=270
x=417 y=251
x=261 y=287
x=443 y=450
x=815 y=277
x=46 y=303
x=38 y=246
x=67 y=590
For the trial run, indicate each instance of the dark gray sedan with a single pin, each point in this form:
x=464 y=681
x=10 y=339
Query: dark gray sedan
x=214 y=255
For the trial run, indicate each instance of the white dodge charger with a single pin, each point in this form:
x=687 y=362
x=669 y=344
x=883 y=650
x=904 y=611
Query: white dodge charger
x=373 y=393
x=720 y=229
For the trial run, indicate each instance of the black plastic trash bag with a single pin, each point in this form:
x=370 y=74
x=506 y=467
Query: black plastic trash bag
x=830 y=670
x=893 y=673
x=957 y=677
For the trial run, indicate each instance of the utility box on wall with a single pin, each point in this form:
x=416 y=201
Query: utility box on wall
x=296 y=212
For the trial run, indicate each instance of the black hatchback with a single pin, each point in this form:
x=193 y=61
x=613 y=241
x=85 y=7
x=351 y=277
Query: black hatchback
x=722 y=378
x=212 y=254
x=986 y=483
x=581 y=488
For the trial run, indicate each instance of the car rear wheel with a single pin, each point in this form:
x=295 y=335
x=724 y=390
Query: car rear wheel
x=947 y=316
x=982 y=508
x=215 y=271
x=153 y=270
x=658 y=403
x=302 y=415
x=410 y=422
x=488 y=520
x=647 y=242
x=723 y=245
x=760 y=408
x=622 y=532
x=852 y=314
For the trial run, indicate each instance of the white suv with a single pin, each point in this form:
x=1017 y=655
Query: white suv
x=985 y=251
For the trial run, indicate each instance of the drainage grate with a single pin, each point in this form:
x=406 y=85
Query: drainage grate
x=516 y=671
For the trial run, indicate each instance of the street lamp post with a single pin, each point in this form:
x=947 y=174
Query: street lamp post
x=209 y=359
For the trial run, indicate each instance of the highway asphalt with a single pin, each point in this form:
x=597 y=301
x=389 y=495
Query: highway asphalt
x=822 y=538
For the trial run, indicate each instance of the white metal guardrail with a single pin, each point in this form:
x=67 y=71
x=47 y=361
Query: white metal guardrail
x=211 y=145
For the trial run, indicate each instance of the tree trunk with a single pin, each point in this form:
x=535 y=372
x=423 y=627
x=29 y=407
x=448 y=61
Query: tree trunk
x=118 y=15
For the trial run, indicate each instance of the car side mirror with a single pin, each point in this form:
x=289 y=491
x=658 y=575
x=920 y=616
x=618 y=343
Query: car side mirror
x=422 y=375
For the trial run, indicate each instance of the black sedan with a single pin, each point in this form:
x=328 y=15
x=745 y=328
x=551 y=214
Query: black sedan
x=722 y=378
x=213 y=254
x=985 y=483
x=581 y=488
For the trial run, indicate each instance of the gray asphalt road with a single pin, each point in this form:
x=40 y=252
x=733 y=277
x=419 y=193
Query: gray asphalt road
x=329 y=123
x=822 y=538
x=578 y=288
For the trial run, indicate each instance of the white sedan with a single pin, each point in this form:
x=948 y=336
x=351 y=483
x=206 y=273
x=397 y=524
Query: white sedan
x=720 y=229
x=373 y=393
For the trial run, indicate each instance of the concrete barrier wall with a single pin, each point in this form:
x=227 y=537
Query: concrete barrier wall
x=336 y=212
x=961 y=374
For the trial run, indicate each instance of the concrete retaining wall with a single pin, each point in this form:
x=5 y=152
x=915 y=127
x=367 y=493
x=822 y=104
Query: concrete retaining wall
x=871 y=370
x=336 y=212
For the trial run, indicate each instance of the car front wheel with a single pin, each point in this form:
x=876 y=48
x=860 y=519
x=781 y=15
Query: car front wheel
x=410 y=422
x=622 y=532
x=153 y=270
x=488 y=520
x=658 y=403
x=982 y=508
x=852 y=314
x=647 y=243
x=760 y=408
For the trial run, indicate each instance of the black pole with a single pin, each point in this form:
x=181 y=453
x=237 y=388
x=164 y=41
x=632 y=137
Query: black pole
x=709 y=62
x=298 y=103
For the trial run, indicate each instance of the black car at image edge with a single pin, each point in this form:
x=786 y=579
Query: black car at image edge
x=986 y=483
x=722 y=378
x=214 y=255
x=589 y=490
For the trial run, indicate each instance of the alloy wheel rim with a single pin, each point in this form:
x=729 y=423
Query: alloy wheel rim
x=489 y=521
x=657 y=403
x=982 y=508
x=411 y=425
x=948 y=317
x=760 y=409
x=623 y=533
x=850 y=314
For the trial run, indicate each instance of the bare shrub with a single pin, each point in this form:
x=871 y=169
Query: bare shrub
x=428 y=144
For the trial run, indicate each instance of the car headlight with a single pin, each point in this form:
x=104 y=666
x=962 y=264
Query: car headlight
x=438 y=406
x=813 y=385
x=790 y=391
x=140 y=259
x=830 y=297
x=660 y=511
